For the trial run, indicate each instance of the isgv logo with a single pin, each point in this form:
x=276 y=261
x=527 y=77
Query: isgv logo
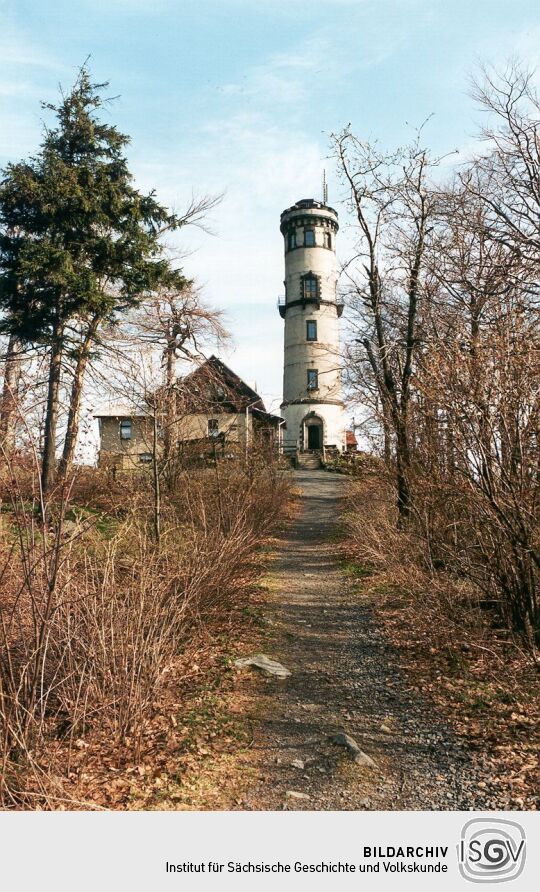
x=491 y=850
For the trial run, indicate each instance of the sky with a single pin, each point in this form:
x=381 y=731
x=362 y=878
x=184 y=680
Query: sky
x=239 y=97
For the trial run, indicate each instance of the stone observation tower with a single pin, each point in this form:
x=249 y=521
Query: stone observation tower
x=312 y=401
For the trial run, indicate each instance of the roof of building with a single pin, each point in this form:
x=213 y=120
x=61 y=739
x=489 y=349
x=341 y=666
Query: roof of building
x=268 y=417
x=308 y=204
x=219 y=385
x=120 y=410
x=350 y=438
x=211 y=387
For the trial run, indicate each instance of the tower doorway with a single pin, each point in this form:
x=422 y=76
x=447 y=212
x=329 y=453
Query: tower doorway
x=314 y=436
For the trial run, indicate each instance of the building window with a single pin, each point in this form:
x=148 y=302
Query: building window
x=312 y=379
x=213 y=427
x=311 y=330
x=309 y=238
x=310 y=287
x=327 y=240
x=126 y=429
x=291 y=239
x=145 y=458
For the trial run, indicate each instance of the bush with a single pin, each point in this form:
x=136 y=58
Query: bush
x=93 y=612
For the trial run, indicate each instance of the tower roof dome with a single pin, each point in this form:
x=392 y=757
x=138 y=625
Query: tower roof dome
x=305 y=204
x=317 y=212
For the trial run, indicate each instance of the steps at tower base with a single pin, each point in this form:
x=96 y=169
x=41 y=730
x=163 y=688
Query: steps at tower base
x=308 y=461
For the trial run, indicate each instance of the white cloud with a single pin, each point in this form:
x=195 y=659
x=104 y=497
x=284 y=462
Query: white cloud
x=262 y=168
x=284 y=76
x=22 y=61
x=17 y=49
x=497 y=49
x=326 y=58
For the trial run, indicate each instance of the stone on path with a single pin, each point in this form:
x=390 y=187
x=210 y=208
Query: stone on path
x=294 y=794
x=359 y=757
x=261 y=661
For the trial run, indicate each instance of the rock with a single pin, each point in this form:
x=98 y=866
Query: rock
x=359 y=757
x=71 y=528
x=386 y=729
x=362 y=758
x=261 y=661
x=294 y=794
x=297 y=763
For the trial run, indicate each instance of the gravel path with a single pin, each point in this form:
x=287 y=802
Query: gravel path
x=345 y=677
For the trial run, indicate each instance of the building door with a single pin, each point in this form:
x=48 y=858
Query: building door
x=314 y=436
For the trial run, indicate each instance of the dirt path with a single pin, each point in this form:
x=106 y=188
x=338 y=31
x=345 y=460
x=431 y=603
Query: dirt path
x=345 y=677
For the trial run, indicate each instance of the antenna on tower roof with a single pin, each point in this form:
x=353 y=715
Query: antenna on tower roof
x=324 y=188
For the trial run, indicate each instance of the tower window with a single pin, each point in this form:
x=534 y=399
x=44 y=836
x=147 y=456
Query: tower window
x=126 y=429
x=309 y=238
x=327 y=240
x=310 y=287
x=311 y=330
x=213 y=427
x=291 y=239
x=312 y=379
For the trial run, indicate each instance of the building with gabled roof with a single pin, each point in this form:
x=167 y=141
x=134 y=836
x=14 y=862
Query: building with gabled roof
x=214 y=413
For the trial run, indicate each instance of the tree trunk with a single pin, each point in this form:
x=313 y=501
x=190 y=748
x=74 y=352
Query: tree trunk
x=402 y=471
x=387 y=434
x=48 y=467
x=156 y=481
x=74 y=413
x=168 y=402
x=10 y=389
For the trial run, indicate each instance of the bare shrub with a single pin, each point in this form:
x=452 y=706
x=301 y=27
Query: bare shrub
x=467 y=351
x=93 y=612
x=399 y=566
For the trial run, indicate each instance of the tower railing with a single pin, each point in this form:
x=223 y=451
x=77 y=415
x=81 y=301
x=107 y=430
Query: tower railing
x=282 y=303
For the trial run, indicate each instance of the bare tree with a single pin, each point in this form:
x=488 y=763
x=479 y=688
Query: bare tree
x=446 y=344
x=505 y=178
x=391 y=199
x=177 y=325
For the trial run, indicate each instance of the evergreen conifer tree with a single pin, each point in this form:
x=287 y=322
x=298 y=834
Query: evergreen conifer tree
x=78 y=244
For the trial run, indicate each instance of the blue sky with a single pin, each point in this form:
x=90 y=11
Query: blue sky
x=238 y=97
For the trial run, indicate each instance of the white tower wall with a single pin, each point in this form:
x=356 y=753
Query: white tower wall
x=312 y=395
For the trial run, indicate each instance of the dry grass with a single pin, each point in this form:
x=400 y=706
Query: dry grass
x=450 y=641
x=95 y=617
